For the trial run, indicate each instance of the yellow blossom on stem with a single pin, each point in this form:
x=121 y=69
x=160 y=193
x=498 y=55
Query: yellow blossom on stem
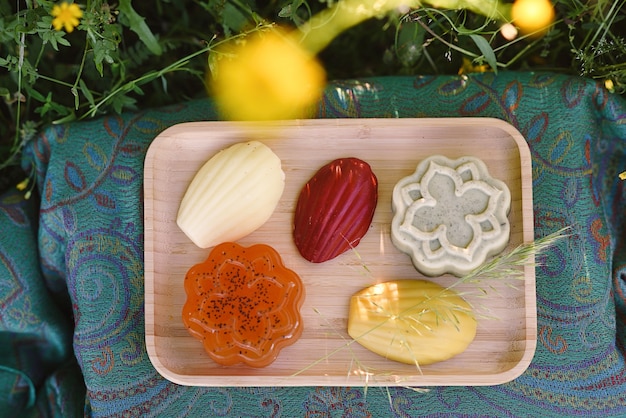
x=66 y=16
x=533 y=16
x=469 y=67
x=274 y=75
x=609 y=85
x=22 y=185
x=266 y=77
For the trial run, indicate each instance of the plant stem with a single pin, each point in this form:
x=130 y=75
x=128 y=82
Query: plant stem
x=79 y=74
x=448 y=44
x=16 y=141
x=493 y=9
x=176 y=66
x=322 y=28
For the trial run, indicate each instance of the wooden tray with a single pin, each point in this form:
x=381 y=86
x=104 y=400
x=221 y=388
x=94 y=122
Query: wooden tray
x=504 y=345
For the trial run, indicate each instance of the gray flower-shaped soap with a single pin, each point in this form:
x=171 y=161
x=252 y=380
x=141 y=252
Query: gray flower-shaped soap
x=450 y=215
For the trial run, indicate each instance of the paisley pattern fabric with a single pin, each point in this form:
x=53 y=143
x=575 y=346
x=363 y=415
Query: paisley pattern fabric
x=71 y=263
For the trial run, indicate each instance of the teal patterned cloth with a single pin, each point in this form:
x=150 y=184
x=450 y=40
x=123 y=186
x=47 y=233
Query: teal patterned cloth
x=71 y=263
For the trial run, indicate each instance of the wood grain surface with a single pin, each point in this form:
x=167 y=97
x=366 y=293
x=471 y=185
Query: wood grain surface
x=325 y=355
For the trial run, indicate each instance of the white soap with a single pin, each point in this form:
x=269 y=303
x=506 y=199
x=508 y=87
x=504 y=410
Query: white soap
x=450 y=215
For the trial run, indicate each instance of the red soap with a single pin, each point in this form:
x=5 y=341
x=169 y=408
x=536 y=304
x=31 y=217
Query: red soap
x=335 y=209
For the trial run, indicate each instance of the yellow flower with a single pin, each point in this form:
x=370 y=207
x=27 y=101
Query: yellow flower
x=267 y=77
x=469 y=67
x=22 y=185
x=532 y=16
x=66 y=15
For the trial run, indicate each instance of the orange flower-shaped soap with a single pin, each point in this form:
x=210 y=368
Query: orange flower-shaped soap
x=243 y=304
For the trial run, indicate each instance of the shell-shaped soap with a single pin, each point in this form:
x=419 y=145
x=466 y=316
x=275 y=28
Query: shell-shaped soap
x=411 y=321
x=232 y=195
x=335 y=209
x=450 y=215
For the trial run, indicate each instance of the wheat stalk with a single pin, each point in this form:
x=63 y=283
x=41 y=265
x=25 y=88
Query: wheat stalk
x=503 y=266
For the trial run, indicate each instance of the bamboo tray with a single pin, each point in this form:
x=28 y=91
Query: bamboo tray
x=504 y=345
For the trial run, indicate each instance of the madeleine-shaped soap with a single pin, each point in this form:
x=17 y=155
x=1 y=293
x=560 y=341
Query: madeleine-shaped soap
x=411 y=321
x=233 y=194
x=335 y=209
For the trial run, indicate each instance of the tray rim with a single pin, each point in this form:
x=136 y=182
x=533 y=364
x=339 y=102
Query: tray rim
x=527 y=231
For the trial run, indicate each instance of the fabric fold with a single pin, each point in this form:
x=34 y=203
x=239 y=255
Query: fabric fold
x=90 y=243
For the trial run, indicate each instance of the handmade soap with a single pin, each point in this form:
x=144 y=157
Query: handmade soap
x=243 y=304
x=450 y=215
x=233 y=194
x=411 y=321
x=335 y=209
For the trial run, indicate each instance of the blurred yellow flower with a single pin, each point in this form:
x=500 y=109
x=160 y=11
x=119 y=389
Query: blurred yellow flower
x=22 y=185
x=532 y=16
x=66 y=15
x=267 y=77
x=468 y=67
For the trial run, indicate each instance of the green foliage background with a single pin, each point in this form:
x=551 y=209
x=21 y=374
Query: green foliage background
x=126 y=55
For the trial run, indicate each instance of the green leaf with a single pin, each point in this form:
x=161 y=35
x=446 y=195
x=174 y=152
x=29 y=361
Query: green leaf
x=74 y=92
x=233 y=18
x=103 y=51
x=37 y=96
x=86 y=92
x=409 y=43
x=137 y=24
x=30 y=19
x=286 y=11
x=212 y=61
x=54 y=38
x=138 y=90
x=290 y=11
x=486 y=50
x=119 y=102
x=8 y=62
x=65 y=119
x=48 y=104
